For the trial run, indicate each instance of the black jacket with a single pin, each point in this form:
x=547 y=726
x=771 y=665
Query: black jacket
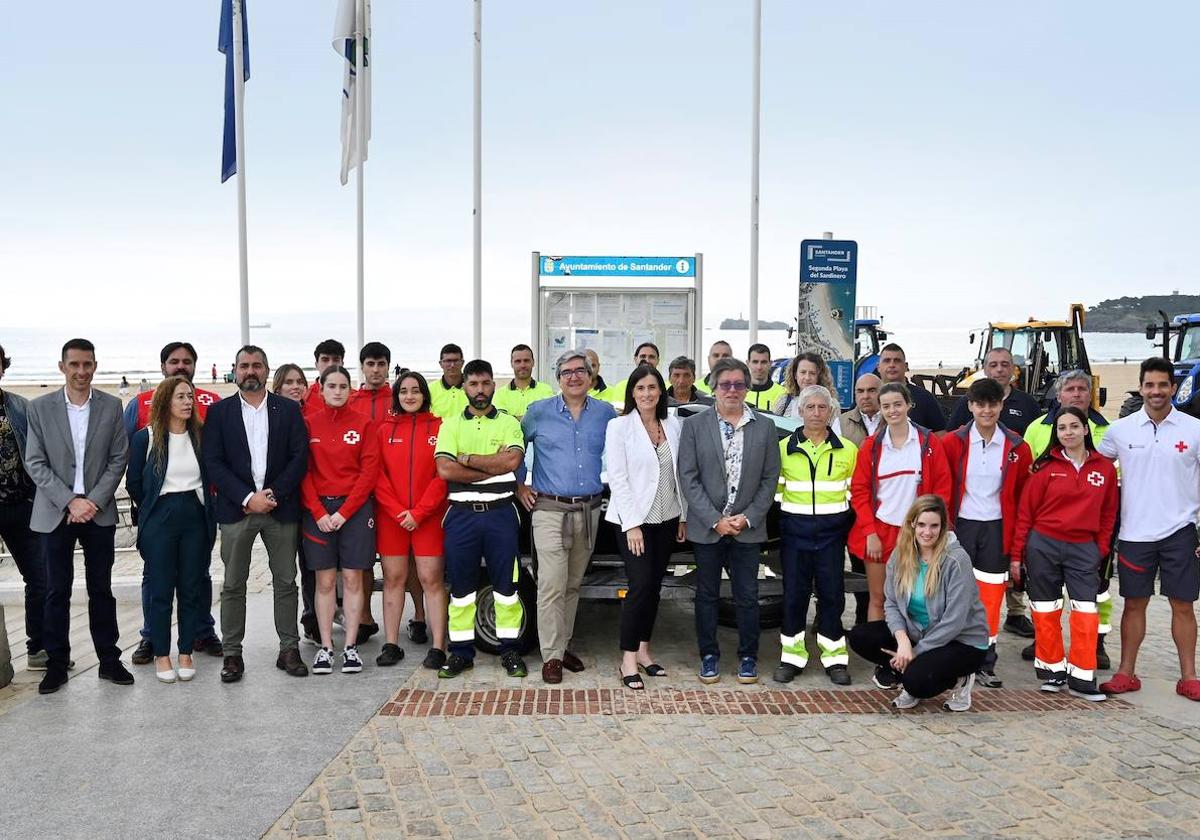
x=227 y=457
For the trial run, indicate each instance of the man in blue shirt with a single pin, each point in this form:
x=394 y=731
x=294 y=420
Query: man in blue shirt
x=567 y=436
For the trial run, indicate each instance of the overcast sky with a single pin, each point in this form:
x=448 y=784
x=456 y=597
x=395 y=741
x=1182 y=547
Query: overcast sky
x=992 y=160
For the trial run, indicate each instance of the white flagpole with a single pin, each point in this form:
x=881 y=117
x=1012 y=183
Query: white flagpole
x=754 y=144
x=239 y=95
x=477 y=333
x=360 y=90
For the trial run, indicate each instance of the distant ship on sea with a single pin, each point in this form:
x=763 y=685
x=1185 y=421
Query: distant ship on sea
x=740 y=323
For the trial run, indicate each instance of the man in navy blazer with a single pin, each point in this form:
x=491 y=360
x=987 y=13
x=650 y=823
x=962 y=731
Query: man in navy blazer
x=255 y=452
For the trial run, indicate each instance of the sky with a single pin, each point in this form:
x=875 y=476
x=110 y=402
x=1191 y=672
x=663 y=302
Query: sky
x=993 y=161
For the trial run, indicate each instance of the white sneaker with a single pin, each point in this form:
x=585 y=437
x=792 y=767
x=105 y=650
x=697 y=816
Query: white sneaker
x=904 y=700
x=323 y=662
x=351 y=662
x=960 y=698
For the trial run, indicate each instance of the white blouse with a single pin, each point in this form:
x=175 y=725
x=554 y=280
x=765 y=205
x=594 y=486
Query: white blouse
x=183 y=469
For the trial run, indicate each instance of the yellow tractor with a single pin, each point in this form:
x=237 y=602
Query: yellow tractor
x=1041 y=351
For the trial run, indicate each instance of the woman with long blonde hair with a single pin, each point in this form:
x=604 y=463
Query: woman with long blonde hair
x=176 y=528
x=934 y=634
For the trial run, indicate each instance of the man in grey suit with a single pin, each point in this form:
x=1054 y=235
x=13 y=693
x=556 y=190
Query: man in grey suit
x=76 y=455
x=728 y=469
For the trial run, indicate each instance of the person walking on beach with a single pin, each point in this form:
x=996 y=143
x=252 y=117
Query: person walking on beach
x=177 y=358
x=1159 y=452
x=214 y=373
x=76 y=454
x=255 y=453
x=176 y=530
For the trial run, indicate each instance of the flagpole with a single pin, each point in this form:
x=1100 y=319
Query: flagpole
x=754 y=144
x=360 y=90
x=477 y=333
x=239 y=94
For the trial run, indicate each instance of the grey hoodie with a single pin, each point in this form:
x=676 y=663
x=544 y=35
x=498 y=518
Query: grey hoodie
x=955 y=611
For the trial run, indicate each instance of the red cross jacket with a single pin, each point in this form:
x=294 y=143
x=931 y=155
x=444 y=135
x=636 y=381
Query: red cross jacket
x=203 y=400
x=408 y=479
x=374 y=404
x=1060 y=502
x=1017 y=459
x=343 y=460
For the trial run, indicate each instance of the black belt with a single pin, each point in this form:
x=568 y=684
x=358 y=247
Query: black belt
x=480 y=507
x=570 y=500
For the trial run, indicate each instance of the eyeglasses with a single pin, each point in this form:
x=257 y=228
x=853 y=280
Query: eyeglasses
x=572 y=373
x=732 y=386
x=450 y=362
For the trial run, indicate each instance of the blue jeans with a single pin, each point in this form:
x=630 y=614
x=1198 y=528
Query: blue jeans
x=742 y=561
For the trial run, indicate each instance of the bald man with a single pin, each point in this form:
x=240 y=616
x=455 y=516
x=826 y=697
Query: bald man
x=862 y=421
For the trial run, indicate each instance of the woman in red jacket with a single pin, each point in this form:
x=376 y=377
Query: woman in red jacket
x=412 y=502
x=1063 y=533
x=338 y=526
x=898 y=463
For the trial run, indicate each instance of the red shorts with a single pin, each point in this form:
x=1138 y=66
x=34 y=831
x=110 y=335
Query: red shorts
x=888 y=534
x=393 y=541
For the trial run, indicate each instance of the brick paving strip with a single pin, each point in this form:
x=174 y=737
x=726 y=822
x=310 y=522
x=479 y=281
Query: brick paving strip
x=609 y=701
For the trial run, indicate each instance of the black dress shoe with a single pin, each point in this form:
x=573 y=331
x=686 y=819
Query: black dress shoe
x=785 y=672
x=1028 y=652
x=366 y=631
x=211 y=646
x=290 y=661
x=116 y=673
x=234 y=669
x=573 y=663
x=56 y=678
x=144 y=654
x=838 y=674
x=1019 y=625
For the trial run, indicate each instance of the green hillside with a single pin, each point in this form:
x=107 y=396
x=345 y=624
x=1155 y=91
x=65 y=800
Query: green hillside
x=1132 y=314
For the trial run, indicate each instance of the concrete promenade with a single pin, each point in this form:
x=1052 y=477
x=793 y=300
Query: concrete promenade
x=396 y=753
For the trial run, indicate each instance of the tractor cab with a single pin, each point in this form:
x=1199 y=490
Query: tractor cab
x=1041 y=351
x=869 y=337
x=1184 y=357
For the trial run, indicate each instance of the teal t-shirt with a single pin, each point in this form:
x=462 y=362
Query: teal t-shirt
x=916 y=601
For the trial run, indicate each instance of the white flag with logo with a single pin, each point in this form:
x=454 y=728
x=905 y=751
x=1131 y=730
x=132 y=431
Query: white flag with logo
x=354 y=16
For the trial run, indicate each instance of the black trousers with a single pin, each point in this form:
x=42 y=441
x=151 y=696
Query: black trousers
x=862 y=600
x=58 y=547
x=640 y=607
x=929 y=674
x=308 y=587
x=26 y=550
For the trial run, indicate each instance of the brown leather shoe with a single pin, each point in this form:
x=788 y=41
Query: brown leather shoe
x=552 y=671
x=233 y=670
x=572 y=662
x=290 y=661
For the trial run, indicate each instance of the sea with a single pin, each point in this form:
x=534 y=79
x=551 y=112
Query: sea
x=131 y=350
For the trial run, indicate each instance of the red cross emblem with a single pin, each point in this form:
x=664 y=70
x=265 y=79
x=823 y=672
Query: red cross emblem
x=1181 y=446
x=1095 y=479
x=204 y=399
x=433 y=440
x=352 y=437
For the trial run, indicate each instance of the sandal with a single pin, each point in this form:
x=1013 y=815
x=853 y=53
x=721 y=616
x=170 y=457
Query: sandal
x=1120 y=684
x=1188 y=688
x=653 y=670
x=633 y=681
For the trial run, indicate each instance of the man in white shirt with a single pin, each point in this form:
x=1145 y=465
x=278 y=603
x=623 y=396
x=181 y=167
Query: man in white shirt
x=1159 y=452
x=76 y=454
x=255 y=449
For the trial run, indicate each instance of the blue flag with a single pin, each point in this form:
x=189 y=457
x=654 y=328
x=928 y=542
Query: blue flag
x=229 y=162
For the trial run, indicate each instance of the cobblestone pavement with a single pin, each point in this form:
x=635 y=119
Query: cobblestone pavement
x=490 y=756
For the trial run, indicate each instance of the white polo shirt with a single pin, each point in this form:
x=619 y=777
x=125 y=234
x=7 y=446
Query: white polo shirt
x=985 y=475
x=899 y=476
x=1160 y=473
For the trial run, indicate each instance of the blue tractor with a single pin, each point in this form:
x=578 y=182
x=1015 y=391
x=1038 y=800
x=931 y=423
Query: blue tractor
x=869 y=337
x=1184 y=357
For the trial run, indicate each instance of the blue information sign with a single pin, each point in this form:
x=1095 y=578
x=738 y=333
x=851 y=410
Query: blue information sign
x=618 y=267
x=825 y=318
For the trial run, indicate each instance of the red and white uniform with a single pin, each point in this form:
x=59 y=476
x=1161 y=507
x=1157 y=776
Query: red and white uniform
x=408 y=481
x=888 y=480
x=343 y=460
x=375 y=404
x=1014 y=462
x=313 y=401
x=203 y=400
x=1075 y=505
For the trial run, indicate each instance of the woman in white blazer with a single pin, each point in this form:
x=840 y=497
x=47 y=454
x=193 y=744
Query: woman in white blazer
x=642 y=448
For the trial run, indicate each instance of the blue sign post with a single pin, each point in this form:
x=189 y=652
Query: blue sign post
x=825 y=318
